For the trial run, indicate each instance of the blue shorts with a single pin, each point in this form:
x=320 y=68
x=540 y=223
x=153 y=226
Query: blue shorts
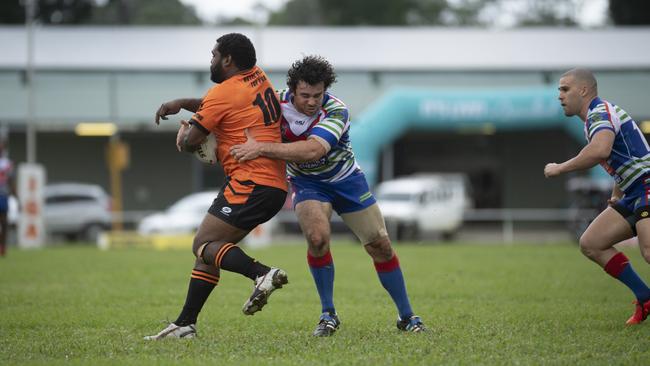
x=349 y=195
x=635 y=205
x=4 y=204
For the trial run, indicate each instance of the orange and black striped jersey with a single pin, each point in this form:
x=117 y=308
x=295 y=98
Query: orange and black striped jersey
x=244 y=101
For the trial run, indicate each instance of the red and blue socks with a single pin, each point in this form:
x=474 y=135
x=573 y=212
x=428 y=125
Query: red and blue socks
x=390 y=276
x=322 y=269
x=620 y=268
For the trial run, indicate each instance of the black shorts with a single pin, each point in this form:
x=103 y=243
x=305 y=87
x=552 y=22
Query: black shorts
x=632 y=217
x=244 y=204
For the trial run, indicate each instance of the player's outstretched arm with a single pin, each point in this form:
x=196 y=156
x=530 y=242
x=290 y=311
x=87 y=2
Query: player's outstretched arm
x=596 y=151
x=299 y=151
x=175 y=106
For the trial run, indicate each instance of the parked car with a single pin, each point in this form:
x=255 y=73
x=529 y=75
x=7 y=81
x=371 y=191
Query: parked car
x=184 y=216
x=78 y=211
x=431 y=203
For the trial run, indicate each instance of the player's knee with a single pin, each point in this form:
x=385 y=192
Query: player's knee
x=317 y=240
x=380 y=249
x=586 y=246
x=379 y=243
x=197 y=247
x=207 y=251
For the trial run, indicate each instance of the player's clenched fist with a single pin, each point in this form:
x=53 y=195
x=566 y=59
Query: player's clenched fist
x=552 y=170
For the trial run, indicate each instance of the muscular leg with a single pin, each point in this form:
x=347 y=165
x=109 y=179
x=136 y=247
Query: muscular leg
x=314 y=218
x=214 y=246
x=609 y=228
x=643 y=234
x=216 y=241
x=368 y=225
x=597 y=244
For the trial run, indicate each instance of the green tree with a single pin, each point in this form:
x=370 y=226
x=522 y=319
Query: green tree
x=465 y=12
x=425 y=12
x=48 y=11
x=11 y=12
x=298 y=12
x=547 y=12
x=359 y=12
x=233 y=21
x=630 y=12
x=145 y=12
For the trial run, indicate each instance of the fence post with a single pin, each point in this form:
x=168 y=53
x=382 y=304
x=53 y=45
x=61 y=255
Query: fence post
x=508 y=227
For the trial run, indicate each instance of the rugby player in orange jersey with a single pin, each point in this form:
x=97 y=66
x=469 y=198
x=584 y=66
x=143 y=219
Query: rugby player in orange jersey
x=254 y=191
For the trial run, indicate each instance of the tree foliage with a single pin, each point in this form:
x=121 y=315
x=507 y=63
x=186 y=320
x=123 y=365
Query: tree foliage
x=359 y=12
x=47 y=11
x=630 y=12
x=545 y=13
x=134 y=12
x=424 y=12
x=145 y=12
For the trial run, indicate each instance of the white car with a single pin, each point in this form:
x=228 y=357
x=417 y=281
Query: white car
x=182 y=217
x=76 y=210
x=431 y=203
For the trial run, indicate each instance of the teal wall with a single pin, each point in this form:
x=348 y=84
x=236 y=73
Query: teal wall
x=489 y=110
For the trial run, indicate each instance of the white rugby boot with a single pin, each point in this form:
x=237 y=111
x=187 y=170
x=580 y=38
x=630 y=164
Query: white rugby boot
x=264 y=286
x=174 y=331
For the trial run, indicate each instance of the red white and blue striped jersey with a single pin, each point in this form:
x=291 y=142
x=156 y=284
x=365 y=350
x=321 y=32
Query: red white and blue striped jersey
x=331 y=125
x=630 y=157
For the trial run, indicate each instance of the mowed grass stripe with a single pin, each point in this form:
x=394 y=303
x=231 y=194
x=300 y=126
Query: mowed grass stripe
x=484 y=304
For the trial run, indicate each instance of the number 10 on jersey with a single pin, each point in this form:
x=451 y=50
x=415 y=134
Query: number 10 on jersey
x=269 y=105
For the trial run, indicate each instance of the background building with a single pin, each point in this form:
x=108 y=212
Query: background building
x=122 y=75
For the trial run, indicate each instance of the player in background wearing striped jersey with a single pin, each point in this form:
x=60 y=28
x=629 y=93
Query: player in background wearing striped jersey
x=324 y=176
x=243 y=98
x=615 y=142
x=7 y=188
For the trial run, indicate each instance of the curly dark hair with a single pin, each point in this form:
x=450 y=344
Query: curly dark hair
x=239 y=47
x=312 y=70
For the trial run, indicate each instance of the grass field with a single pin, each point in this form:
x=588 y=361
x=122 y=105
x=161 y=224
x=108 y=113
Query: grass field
x=484 y=304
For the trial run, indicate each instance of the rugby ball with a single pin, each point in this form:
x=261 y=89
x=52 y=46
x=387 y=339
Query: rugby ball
x=207 y=151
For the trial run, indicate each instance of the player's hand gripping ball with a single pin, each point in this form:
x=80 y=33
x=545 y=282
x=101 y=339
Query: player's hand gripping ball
x=207 y=151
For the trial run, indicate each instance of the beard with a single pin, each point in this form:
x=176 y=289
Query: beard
x=217 y=73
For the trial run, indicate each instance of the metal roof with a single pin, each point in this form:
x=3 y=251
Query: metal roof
x=349 y=48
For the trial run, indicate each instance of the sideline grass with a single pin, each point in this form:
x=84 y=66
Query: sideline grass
x=484 y=304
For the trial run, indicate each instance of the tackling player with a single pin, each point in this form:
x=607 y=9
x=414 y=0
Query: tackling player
x=324 y=176
x=615 y=142
x=254 y=192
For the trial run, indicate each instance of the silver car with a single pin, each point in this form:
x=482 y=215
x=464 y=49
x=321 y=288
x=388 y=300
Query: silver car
x=76 y=211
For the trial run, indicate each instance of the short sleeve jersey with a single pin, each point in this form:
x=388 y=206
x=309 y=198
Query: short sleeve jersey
x=630 y=157
x=244 y=101
x=331 y=126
